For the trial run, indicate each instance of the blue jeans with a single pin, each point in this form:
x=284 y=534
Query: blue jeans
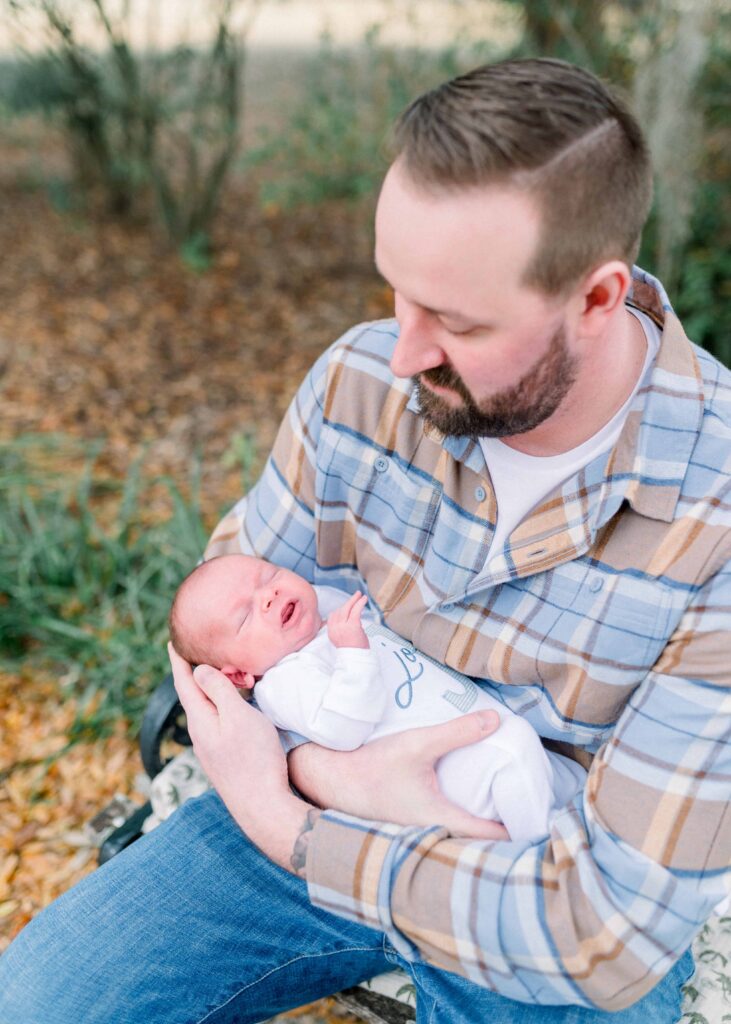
x=192 y=924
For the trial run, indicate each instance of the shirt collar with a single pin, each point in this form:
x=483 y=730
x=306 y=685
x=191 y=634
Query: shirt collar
x=651 y=457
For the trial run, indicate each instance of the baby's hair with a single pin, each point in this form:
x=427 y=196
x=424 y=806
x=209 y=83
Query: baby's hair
x=195 y=652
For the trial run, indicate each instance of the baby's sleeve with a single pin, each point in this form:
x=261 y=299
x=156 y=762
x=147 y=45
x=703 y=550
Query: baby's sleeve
x=337 y=708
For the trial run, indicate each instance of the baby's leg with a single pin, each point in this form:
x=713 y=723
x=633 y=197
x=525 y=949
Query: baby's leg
x=506 y=777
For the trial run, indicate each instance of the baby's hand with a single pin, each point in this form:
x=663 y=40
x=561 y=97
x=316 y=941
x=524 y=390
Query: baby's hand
x=343 y=626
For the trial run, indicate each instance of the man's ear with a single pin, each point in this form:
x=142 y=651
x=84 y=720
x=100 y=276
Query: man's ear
x=603 y=292
x=244 y=680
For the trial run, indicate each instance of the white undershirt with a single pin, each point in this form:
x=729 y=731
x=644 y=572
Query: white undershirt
x=522 y=481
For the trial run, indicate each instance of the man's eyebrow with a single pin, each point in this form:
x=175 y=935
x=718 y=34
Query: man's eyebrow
x=451 y=314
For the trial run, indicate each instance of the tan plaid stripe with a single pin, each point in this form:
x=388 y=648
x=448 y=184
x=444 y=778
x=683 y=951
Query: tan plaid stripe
x=605 y=623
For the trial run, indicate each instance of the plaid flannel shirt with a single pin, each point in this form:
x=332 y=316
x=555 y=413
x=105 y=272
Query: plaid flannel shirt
x=604 y=621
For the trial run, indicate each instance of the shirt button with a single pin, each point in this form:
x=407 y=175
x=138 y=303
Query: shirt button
x=480 y=493
x=381 y=464
x=596 y=584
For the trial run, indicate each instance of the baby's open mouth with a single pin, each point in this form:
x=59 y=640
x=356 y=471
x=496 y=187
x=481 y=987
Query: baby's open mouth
x=287 y=612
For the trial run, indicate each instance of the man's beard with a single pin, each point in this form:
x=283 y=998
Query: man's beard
x=514 y=410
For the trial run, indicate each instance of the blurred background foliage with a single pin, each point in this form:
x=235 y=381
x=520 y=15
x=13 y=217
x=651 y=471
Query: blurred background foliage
x=156 y=135
x=86 y=577
x=161 y=130
x=138 y=123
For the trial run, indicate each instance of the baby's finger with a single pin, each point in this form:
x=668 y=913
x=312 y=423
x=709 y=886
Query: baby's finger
x=346 y=609
x=358 y=606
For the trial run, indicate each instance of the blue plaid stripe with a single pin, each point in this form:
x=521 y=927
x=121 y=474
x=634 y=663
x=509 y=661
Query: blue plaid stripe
x=605 y=625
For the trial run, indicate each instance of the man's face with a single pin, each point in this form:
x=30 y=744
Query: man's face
x=253 y=613
x=490 y=356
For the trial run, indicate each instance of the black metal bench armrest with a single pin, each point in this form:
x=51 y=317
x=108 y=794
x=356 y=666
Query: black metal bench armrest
x=125 y=835
x=373 y=1008
x=162 y=721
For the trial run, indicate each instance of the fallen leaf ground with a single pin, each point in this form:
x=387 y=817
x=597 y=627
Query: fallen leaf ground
x=105 y=334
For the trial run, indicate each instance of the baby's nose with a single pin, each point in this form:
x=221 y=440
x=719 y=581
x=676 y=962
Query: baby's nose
x=269 y=598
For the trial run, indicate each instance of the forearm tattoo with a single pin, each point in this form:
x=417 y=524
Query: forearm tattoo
x=299 y=853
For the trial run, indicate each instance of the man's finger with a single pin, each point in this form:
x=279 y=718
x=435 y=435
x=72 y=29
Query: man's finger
x=438 y=740
x=217 y=687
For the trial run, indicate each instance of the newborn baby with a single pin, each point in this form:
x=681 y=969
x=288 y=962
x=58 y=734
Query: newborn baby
x=315 y=668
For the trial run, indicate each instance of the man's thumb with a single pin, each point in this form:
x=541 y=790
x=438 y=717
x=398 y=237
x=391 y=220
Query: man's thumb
x=465 y=825
x=214 y=684
x=460 y=732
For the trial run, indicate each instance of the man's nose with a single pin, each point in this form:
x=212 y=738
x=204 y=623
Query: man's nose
x=416 y=349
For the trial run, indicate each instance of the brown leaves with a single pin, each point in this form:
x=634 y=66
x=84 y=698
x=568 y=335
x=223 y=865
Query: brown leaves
x=43 y=808
x=43 y=847
x=105 y=333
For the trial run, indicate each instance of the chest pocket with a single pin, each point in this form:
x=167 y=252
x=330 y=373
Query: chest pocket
x=573 y=644
x=611 y=617
x=383 y=510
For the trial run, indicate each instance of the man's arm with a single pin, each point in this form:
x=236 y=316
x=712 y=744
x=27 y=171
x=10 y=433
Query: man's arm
x=239 y=750
x=597 y=913
x=276 y=519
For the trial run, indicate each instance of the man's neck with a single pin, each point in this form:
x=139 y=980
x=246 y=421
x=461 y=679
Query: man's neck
x=607 y=375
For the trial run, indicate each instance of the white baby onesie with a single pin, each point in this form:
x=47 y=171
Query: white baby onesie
x=344 y=697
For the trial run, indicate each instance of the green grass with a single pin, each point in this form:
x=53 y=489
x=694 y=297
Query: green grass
x=86 y=579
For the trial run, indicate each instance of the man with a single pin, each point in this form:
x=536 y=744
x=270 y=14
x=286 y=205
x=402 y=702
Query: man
x=528 y=470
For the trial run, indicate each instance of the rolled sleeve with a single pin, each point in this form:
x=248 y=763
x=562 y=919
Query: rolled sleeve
x=543 y=923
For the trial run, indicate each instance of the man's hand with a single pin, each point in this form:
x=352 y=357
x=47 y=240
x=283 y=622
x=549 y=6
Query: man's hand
x=394 y=778
x=239 y=751
x=343 y=626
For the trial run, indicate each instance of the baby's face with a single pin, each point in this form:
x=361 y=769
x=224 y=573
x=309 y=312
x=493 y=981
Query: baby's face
x=254 y=612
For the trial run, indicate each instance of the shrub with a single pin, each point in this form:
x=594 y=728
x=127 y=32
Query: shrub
x=86 y=580
x=166 y=124
x=334 y=144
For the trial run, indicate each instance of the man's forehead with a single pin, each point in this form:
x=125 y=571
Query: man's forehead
x=478 y=237
x=449 y=313
x=472 y=203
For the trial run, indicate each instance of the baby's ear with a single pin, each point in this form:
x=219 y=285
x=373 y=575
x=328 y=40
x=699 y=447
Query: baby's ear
x=244 y=680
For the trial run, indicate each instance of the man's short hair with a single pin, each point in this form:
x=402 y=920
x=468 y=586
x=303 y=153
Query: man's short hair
x=552 y=130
